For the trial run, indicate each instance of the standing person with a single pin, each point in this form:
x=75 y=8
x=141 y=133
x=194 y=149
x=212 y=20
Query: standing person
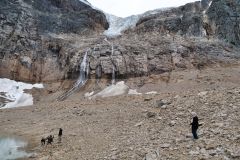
x=60 y=134
x=195 y=125
x=43 y=140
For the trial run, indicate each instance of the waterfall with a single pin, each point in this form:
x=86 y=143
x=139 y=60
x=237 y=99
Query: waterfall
x=113 y=69
x=84 y=71
x=113 y=66
x=83 y=77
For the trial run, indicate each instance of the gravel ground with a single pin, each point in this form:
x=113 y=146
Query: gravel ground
x=151 y=127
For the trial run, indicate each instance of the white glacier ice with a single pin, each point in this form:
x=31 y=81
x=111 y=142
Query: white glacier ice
x=117 y=24
x=13 y=92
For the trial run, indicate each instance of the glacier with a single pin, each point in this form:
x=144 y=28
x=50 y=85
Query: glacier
x=117 y=25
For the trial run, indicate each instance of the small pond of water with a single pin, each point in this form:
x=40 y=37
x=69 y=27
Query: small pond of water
x=12 y=148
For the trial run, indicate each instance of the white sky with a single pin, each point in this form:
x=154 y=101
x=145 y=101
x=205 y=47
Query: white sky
x=124 y=8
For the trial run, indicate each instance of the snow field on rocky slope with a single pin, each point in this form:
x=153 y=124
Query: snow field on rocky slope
x=14 y=92
x=120 y=88
x=117 y=89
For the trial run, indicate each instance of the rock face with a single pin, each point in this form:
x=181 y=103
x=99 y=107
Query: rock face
x=223 y=20
x=191 y=36
x=28 y=49
x=217 y=18
x=46 y=41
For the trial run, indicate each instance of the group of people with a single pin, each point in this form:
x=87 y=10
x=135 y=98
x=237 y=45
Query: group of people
x=49 y=139
x=194 y=124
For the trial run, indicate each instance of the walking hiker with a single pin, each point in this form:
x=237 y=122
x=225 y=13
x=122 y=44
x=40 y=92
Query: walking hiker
x=60 y=134
x=195 y=125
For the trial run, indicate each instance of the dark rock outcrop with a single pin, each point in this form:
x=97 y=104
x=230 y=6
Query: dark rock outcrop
x=216 y=18
x=29 y=49
x=224 y=20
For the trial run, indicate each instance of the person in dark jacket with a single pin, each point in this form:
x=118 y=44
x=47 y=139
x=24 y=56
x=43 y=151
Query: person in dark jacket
x=60 y=132
x=43 y=140
x=60 y=135
x=50 y=139
x=195 y=125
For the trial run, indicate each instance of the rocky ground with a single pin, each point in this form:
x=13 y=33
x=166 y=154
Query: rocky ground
x=150 y=127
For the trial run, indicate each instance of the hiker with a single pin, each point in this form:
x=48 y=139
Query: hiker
x=43 y=140
x=50 y=139
x=195 y=125
x=60 y=134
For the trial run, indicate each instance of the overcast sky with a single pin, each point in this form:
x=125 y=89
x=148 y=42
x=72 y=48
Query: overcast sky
x=124 y=8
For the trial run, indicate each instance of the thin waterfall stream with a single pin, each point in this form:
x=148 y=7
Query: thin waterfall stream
x=83 y=77
x=113 y=66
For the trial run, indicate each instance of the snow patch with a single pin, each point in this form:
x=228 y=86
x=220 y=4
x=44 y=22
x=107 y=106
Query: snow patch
x=152 y=92
x=86 y=2
x=114 y=90
x=88 y=94
x=134 y=92
x=209 y=4
x=14 y=92
x=89 y=4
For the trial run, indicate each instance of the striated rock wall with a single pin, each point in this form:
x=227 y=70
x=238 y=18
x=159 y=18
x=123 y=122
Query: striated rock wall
x=224 y=20
x=211 y=19
x=29 y=50
x=153 y=53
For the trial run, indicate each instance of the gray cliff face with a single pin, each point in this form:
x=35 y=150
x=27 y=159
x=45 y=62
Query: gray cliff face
x=46 y=41
x=191 y=36
x=64 y=16
x=224 y=20
x=28 y=49
x=217 y=19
